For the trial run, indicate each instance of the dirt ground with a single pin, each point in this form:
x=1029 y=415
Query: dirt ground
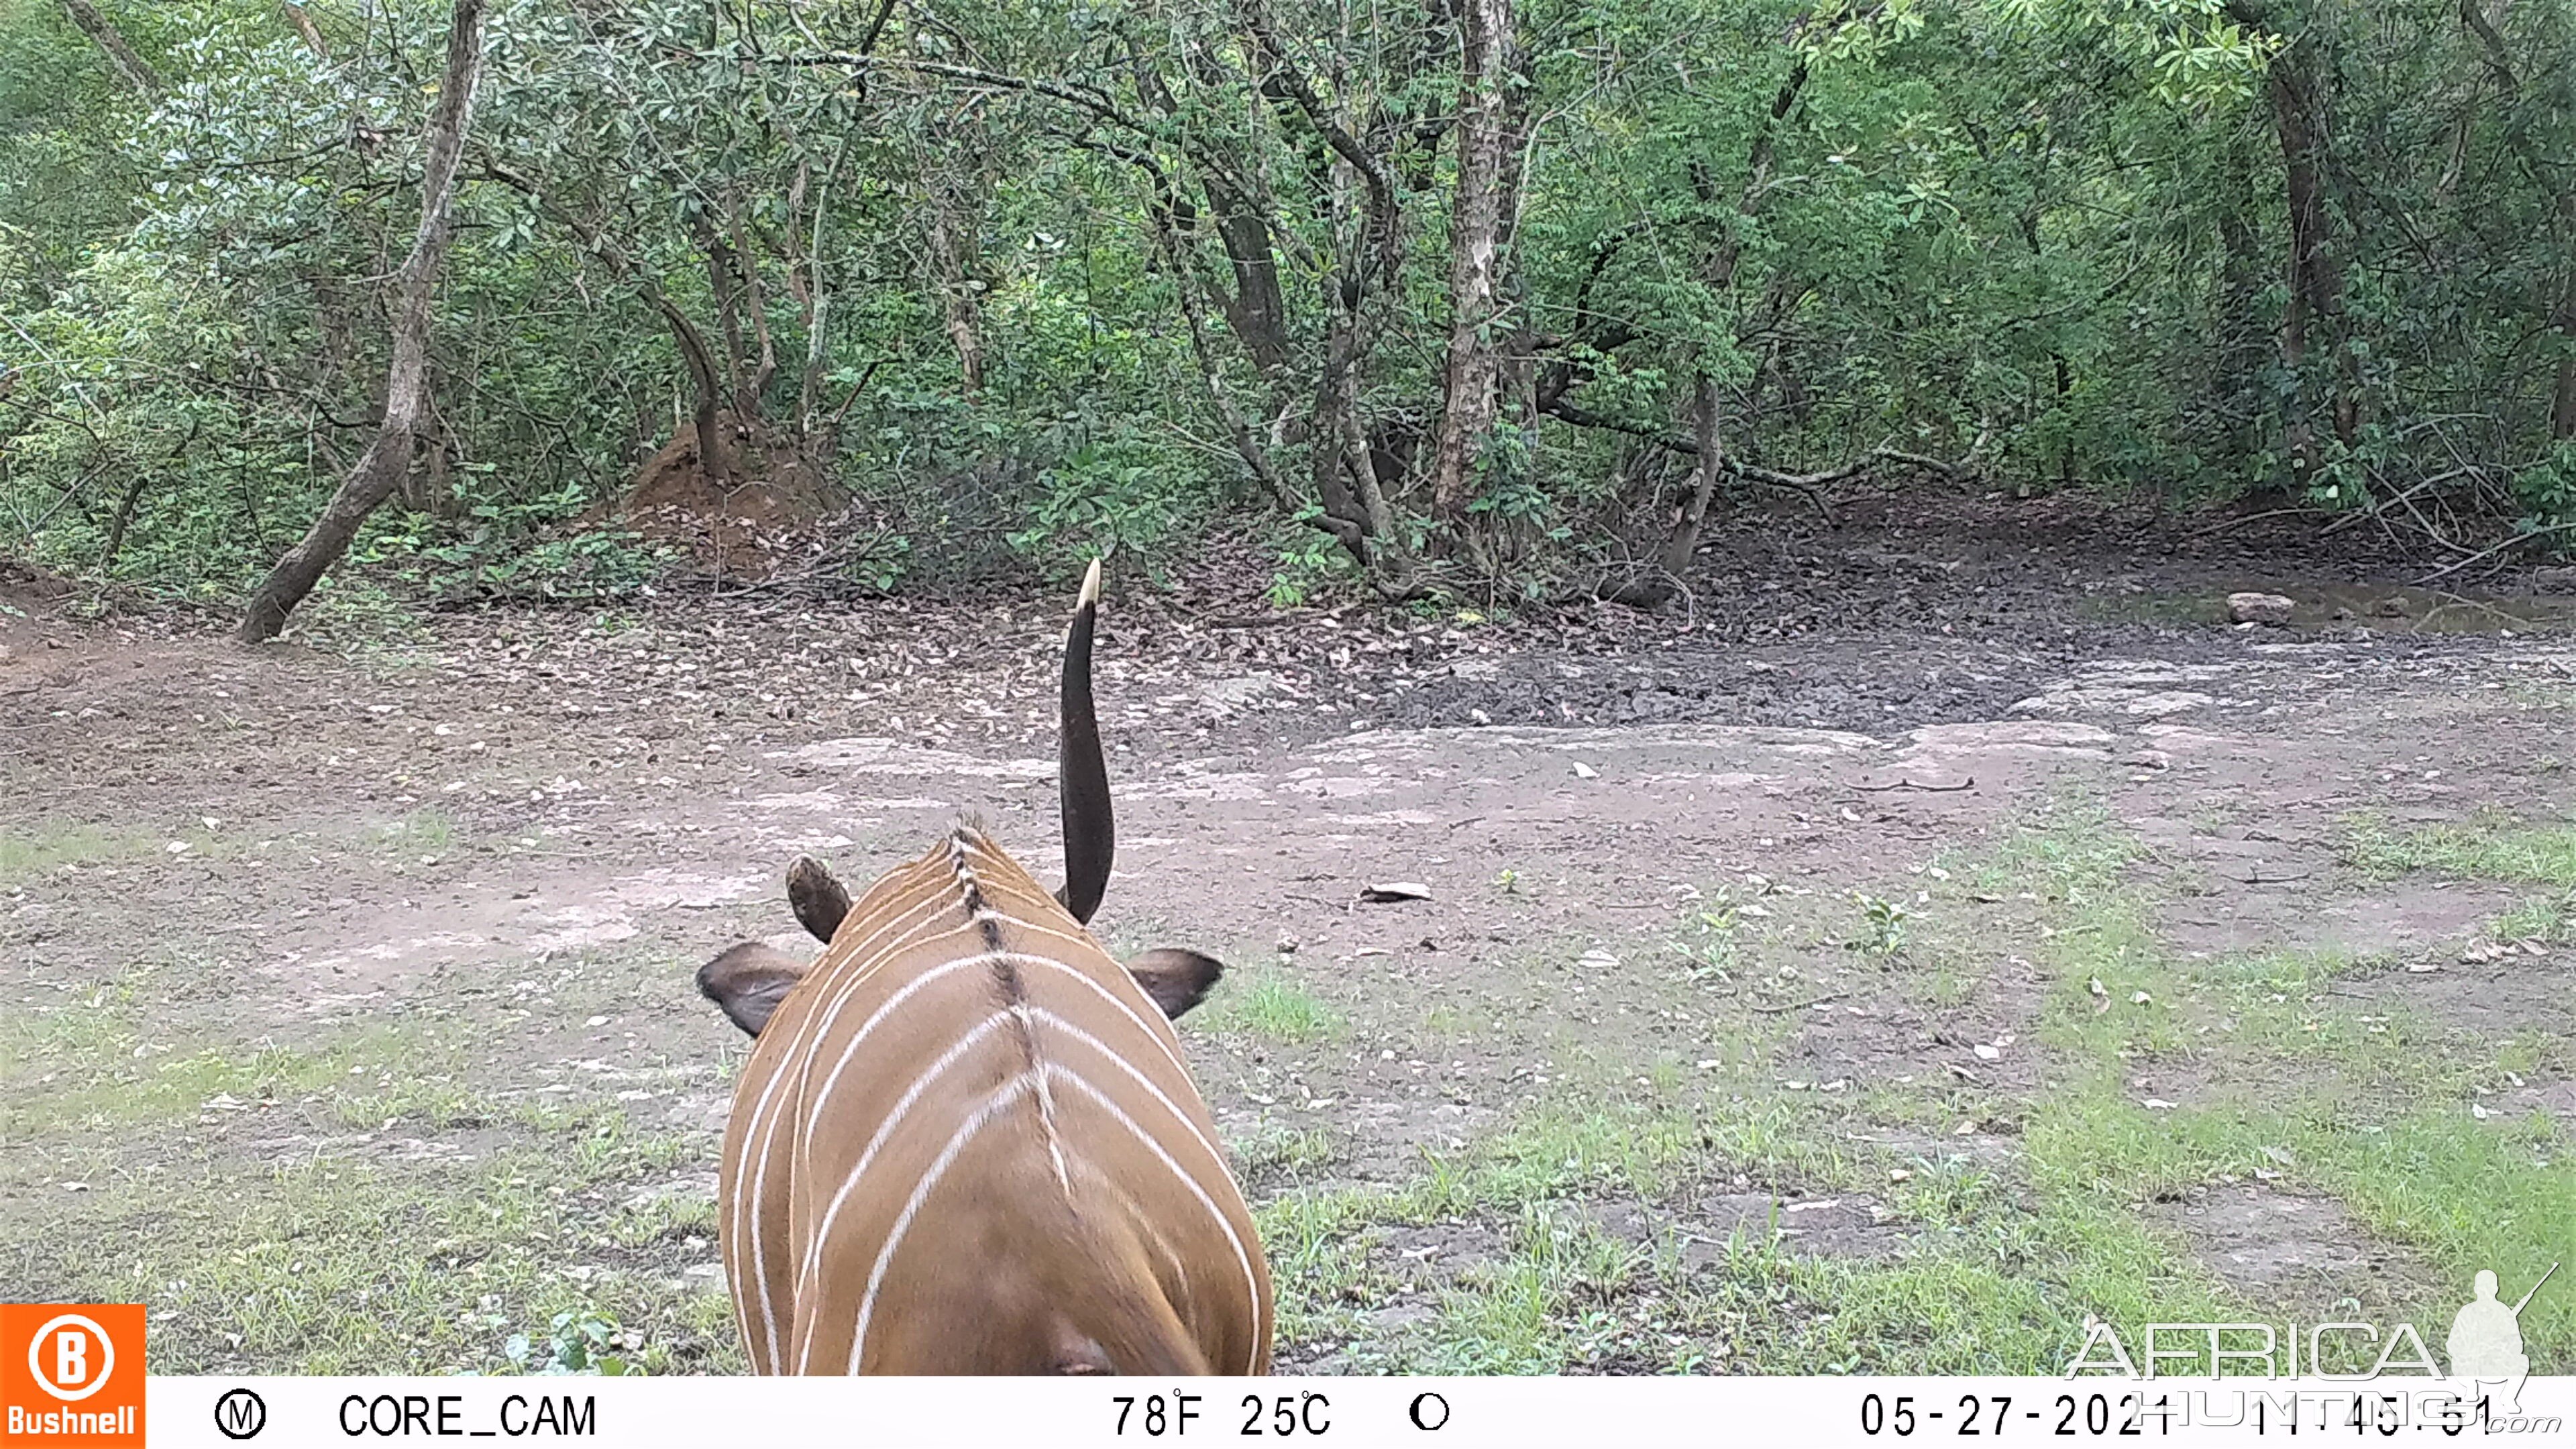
x=1943 y=929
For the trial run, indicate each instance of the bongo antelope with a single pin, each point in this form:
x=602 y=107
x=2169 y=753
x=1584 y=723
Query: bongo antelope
x=965 y=1140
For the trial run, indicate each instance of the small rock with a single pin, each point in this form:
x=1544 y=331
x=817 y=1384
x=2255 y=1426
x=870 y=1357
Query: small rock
x=2392 y=607
x=2256 y=608
x=1583 y=771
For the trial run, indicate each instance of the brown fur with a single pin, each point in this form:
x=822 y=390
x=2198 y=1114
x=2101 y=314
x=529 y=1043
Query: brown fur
x=1055 y=1239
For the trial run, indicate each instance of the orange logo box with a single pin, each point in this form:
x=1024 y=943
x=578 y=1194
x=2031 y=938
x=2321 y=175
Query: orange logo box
x=71 y=1374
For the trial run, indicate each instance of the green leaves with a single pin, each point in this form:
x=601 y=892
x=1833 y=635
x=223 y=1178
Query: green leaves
x=575 y=1343
x=2051 y=233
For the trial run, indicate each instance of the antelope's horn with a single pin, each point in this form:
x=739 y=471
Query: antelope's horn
x=1082 y=776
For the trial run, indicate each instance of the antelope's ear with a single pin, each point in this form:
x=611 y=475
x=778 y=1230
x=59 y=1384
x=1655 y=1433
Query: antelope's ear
x=818 y=899
x=748 y=981
x=1176 y=979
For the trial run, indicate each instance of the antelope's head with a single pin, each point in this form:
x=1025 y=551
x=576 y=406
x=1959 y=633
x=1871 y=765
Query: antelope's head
x=749 y=980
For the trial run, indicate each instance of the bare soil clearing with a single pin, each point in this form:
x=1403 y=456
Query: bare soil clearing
x=297 y=946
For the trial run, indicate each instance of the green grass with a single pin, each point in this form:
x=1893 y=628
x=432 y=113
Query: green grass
x=344 y=1266
x=2069 y=851
x=2489 y=848
x=1294 y=1153
x=1564 y=1241
x=428 y=830
x=1981 y=1284
x=264 y=1199
x=1274 y=1008
x=1500 y=1256
x=2542 y=918
x=2314 y=1090
x=94 y=1063
x=28 y=853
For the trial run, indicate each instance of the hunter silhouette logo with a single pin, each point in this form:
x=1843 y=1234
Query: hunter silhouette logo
x=2486 y=1343
x=71 y=1374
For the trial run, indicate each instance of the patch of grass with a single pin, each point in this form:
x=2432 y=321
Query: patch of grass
x=2542 y=918
x=1985 y=1282
x=2487 y=848
x=1442 y=1022
x=1277 y=1009
x=1535 y=1309
x=2314 y=1090
x=428 y=830
x=94 y=1063
x=2067 y=851
x=335 y=1265
x=27 y=852
x=1502 y=1256
x=1278 y=1151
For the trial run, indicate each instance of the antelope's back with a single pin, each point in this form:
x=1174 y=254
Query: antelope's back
x=967 y=1123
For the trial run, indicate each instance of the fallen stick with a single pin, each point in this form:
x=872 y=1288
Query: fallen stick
x=1801 y=1006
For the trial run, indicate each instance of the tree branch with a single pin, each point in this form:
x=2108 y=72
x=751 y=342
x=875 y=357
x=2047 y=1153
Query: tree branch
x=380 y=470
x=137 y=71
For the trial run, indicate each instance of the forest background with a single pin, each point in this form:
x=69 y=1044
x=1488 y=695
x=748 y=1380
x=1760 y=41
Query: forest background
x=1501 y=298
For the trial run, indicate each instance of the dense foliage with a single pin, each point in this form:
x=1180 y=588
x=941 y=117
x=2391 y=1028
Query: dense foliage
x=1493 y=289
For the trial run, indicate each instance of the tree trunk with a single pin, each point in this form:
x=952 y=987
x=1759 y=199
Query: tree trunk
x=138 y=72
x=304 y=27
x=1255 y=311
x=1345 y=472
x=764 y=367
x=2562 y=316
x=723 y=283
x=2315 y=310
x=1681 y=542
x=1682 y=545
x=958 y=309
x=1475 y=225
x=2238 y=343
x=717 y=456
x=380 y=469
x=1174 y=250
x=2562 y=407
